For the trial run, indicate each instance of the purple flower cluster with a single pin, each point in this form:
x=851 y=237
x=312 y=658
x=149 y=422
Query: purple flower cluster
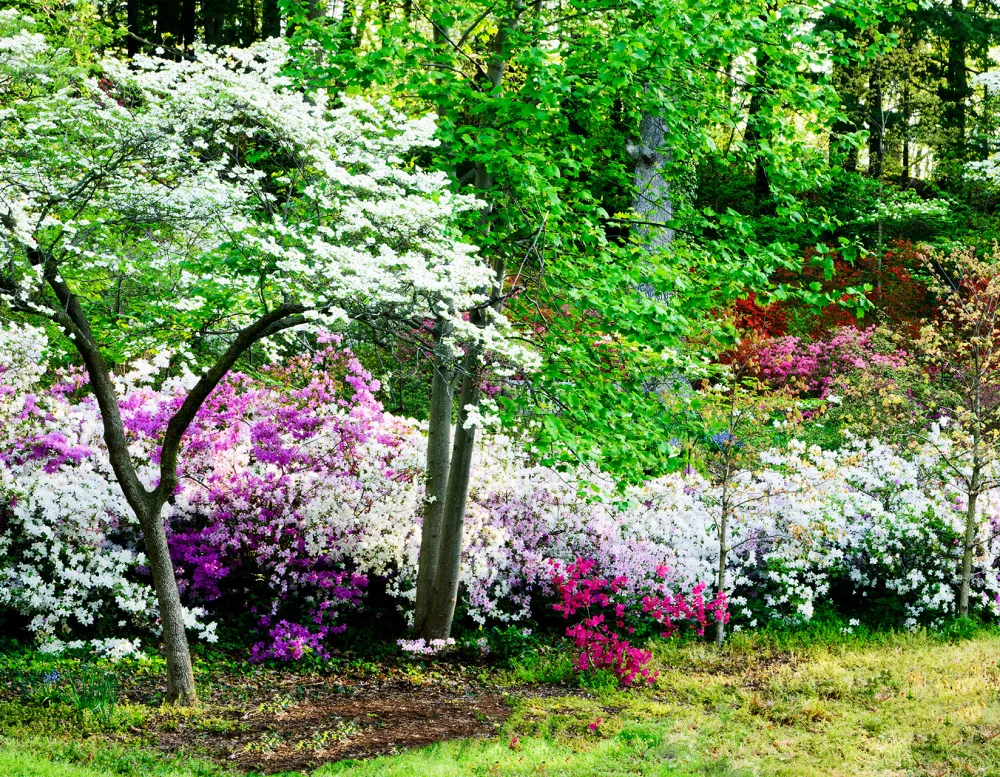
x=246 y=535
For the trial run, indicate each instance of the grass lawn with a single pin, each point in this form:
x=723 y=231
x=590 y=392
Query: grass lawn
x=908 y=705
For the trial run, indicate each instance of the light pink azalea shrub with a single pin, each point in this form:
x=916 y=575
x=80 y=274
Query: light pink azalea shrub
x=812 y=365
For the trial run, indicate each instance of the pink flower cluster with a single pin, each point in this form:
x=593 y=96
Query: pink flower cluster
x=257 y=454
x=812 y=366
x=610 y=617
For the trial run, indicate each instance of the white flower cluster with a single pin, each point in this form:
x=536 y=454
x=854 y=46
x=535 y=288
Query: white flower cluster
x=213 y=187
x=904 y=207
x=113 y=649
x=422 y=648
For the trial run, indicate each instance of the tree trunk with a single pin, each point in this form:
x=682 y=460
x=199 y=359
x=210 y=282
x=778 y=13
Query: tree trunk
x=441 y=610
x=444 y=596
x=876 y=124
x=271 y=19
x=187 y=28
x=180 y=675
x=132 y=23
x=438 y=460
x=720 y=579
x=168 y=22
x=652 y=202
x=212 y=16
x=146 y=505
x=318 y=8
x=906 y=130
x=957 y=91
x=971 y=524
x=754 y=134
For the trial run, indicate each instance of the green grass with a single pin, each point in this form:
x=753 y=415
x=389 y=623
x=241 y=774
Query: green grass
x=88 y=758
x=773 y=705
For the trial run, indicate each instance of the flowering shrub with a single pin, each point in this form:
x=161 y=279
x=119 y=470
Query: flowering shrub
x=256 y=534
x=298 y=491
x=812 y=366
x=890 y=280
x=600 y=637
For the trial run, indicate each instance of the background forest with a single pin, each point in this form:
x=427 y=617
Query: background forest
x=492 y=332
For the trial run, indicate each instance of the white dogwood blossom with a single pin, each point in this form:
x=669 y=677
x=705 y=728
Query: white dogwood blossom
x=198 y=195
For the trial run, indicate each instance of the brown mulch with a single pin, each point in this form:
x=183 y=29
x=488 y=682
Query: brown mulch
x=286 y=736
x=271 y=721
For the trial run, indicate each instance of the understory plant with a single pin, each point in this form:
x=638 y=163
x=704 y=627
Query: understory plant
x=610 y=618
x=300 y=494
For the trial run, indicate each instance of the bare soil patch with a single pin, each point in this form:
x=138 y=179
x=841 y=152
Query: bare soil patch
x=272 y=721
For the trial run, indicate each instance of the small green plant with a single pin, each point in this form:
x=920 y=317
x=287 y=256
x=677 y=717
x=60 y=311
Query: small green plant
x=960 y=630
x=92 y=690
x=341 y=731
x=600 y=681
x=278 y=704
x=543 y=666
x=268 y=743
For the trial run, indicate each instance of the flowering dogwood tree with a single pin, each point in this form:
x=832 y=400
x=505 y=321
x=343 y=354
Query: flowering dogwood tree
x=196 y=208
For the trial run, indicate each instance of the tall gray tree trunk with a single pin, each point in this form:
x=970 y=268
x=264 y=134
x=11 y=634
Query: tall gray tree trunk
x=436 y=480
x=441 y=609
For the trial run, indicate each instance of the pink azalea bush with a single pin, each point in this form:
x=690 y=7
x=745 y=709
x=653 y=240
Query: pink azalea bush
x=812 y=365
x=611 y=618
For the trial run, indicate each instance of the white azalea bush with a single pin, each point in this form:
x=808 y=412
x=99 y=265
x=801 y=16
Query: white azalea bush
x=301 y=491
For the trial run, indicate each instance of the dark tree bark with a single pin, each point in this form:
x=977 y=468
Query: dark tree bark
x=755 y=133
x=187 y=24
x=147 y=504
x=132 y=23
x=168 y=22
x=876 y=123
x=905 y=128
x=318 y=8
x=957 y=91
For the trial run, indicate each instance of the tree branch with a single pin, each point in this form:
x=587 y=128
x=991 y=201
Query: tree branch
x=283 y=317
